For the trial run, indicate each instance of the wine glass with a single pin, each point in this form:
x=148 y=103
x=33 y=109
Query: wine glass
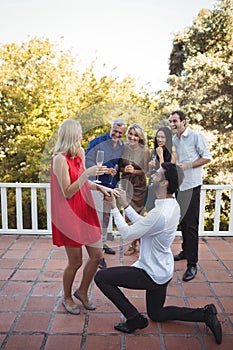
x=153 y=169
x=99 y=162
x=131 y=159
x=115 y=167
x=119 y=185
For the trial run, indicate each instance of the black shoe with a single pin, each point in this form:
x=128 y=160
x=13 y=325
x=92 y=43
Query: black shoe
x=190 y=273
x=212 y=322
x=180 y=256
x=102 y=264
x=108 y=250
x=137 y=322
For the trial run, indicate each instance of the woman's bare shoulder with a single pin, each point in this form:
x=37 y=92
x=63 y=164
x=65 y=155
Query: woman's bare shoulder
x=58 y=160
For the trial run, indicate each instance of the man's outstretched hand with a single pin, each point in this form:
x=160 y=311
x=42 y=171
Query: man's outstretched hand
x=124 y=202
x=121 y=195
x=111 y=199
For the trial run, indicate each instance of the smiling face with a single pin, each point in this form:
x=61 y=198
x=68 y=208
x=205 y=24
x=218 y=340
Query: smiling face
x=116 y=132
x=177 y=125
x=161 y=138
x=133 y=137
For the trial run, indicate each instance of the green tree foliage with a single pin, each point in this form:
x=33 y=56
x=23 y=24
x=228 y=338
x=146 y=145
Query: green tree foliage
x=40 y=87
x=201 y=65
x=201 y=83
x=34 y=93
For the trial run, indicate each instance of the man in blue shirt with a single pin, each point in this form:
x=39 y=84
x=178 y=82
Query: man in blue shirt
x=192 y=152
x=113 y=146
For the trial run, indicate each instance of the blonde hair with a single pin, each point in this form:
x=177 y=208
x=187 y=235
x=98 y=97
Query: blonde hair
x=67 y=142
x=140 y=132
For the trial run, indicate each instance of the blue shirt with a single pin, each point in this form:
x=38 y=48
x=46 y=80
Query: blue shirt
x=111 y=156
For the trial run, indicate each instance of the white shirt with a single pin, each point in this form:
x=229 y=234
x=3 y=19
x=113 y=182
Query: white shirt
x=156 y=231
x=190 y=146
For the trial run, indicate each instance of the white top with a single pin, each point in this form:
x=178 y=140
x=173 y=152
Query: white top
x=190 y=146
x=156 y=231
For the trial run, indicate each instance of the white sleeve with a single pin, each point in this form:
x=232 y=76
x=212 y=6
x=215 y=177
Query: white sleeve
x=119 y=220
x=143 y=225
x=202 y=146
x=131 y=214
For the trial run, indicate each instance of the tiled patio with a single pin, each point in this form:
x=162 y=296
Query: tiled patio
x=32 y=317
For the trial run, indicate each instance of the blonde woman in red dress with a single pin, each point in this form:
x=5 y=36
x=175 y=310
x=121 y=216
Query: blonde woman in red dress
x=74 y=219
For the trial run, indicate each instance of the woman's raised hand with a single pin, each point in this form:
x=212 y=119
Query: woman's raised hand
x=96 y=170
x=159 y=151
x=129 y=169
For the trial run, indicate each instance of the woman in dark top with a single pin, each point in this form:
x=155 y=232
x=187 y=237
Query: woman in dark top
x=162 y=152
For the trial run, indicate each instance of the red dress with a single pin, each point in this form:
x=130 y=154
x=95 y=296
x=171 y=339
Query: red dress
x=74 y=220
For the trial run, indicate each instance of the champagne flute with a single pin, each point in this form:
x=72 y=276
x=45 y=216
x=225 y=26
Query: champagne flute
x=153 y=169
x=119 y=185
x=99 y=162
x=115 y=167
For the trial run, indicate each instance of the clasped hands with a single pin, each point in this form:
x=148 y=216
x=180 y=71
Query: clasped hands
x=117 y=194
x=129 y=168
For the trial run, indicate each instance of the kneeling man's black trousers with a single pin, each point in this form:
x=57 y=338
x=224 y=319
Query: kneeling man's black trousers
x=111 y=279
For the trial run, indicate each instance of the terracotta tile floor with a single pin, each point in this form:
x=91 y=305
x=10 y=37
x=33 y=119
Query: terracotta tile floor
x=32 y=317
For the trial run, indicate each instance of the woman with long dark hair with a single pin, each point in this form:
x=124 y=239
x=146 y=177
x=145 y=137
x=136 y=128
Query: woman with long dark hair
x=162 y=152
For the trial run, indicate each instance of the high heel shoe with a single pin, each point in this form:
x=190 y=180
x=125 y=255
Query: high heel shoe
x=88 y=306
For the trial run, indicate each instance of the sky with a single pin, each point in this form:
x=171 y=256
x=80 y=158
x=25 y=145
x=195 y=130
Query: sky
x=132 y=36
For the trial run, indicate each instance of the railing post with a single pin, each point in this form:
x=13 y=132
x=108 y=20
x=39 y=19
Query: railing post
x=217 y=210
x=19 y=211
x=34 y=209
x=48 y=209
x=4 y=208
x=231 y=214
x=202 y=211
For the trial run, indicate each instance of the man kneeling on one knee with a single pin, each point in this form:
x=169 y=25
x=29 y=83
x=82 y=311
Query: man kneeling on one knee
x=155 y=266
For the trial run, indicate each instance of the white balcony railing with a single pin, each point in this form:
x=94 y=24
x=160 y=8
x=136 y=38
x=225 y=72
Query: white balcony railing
x=11 y=192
